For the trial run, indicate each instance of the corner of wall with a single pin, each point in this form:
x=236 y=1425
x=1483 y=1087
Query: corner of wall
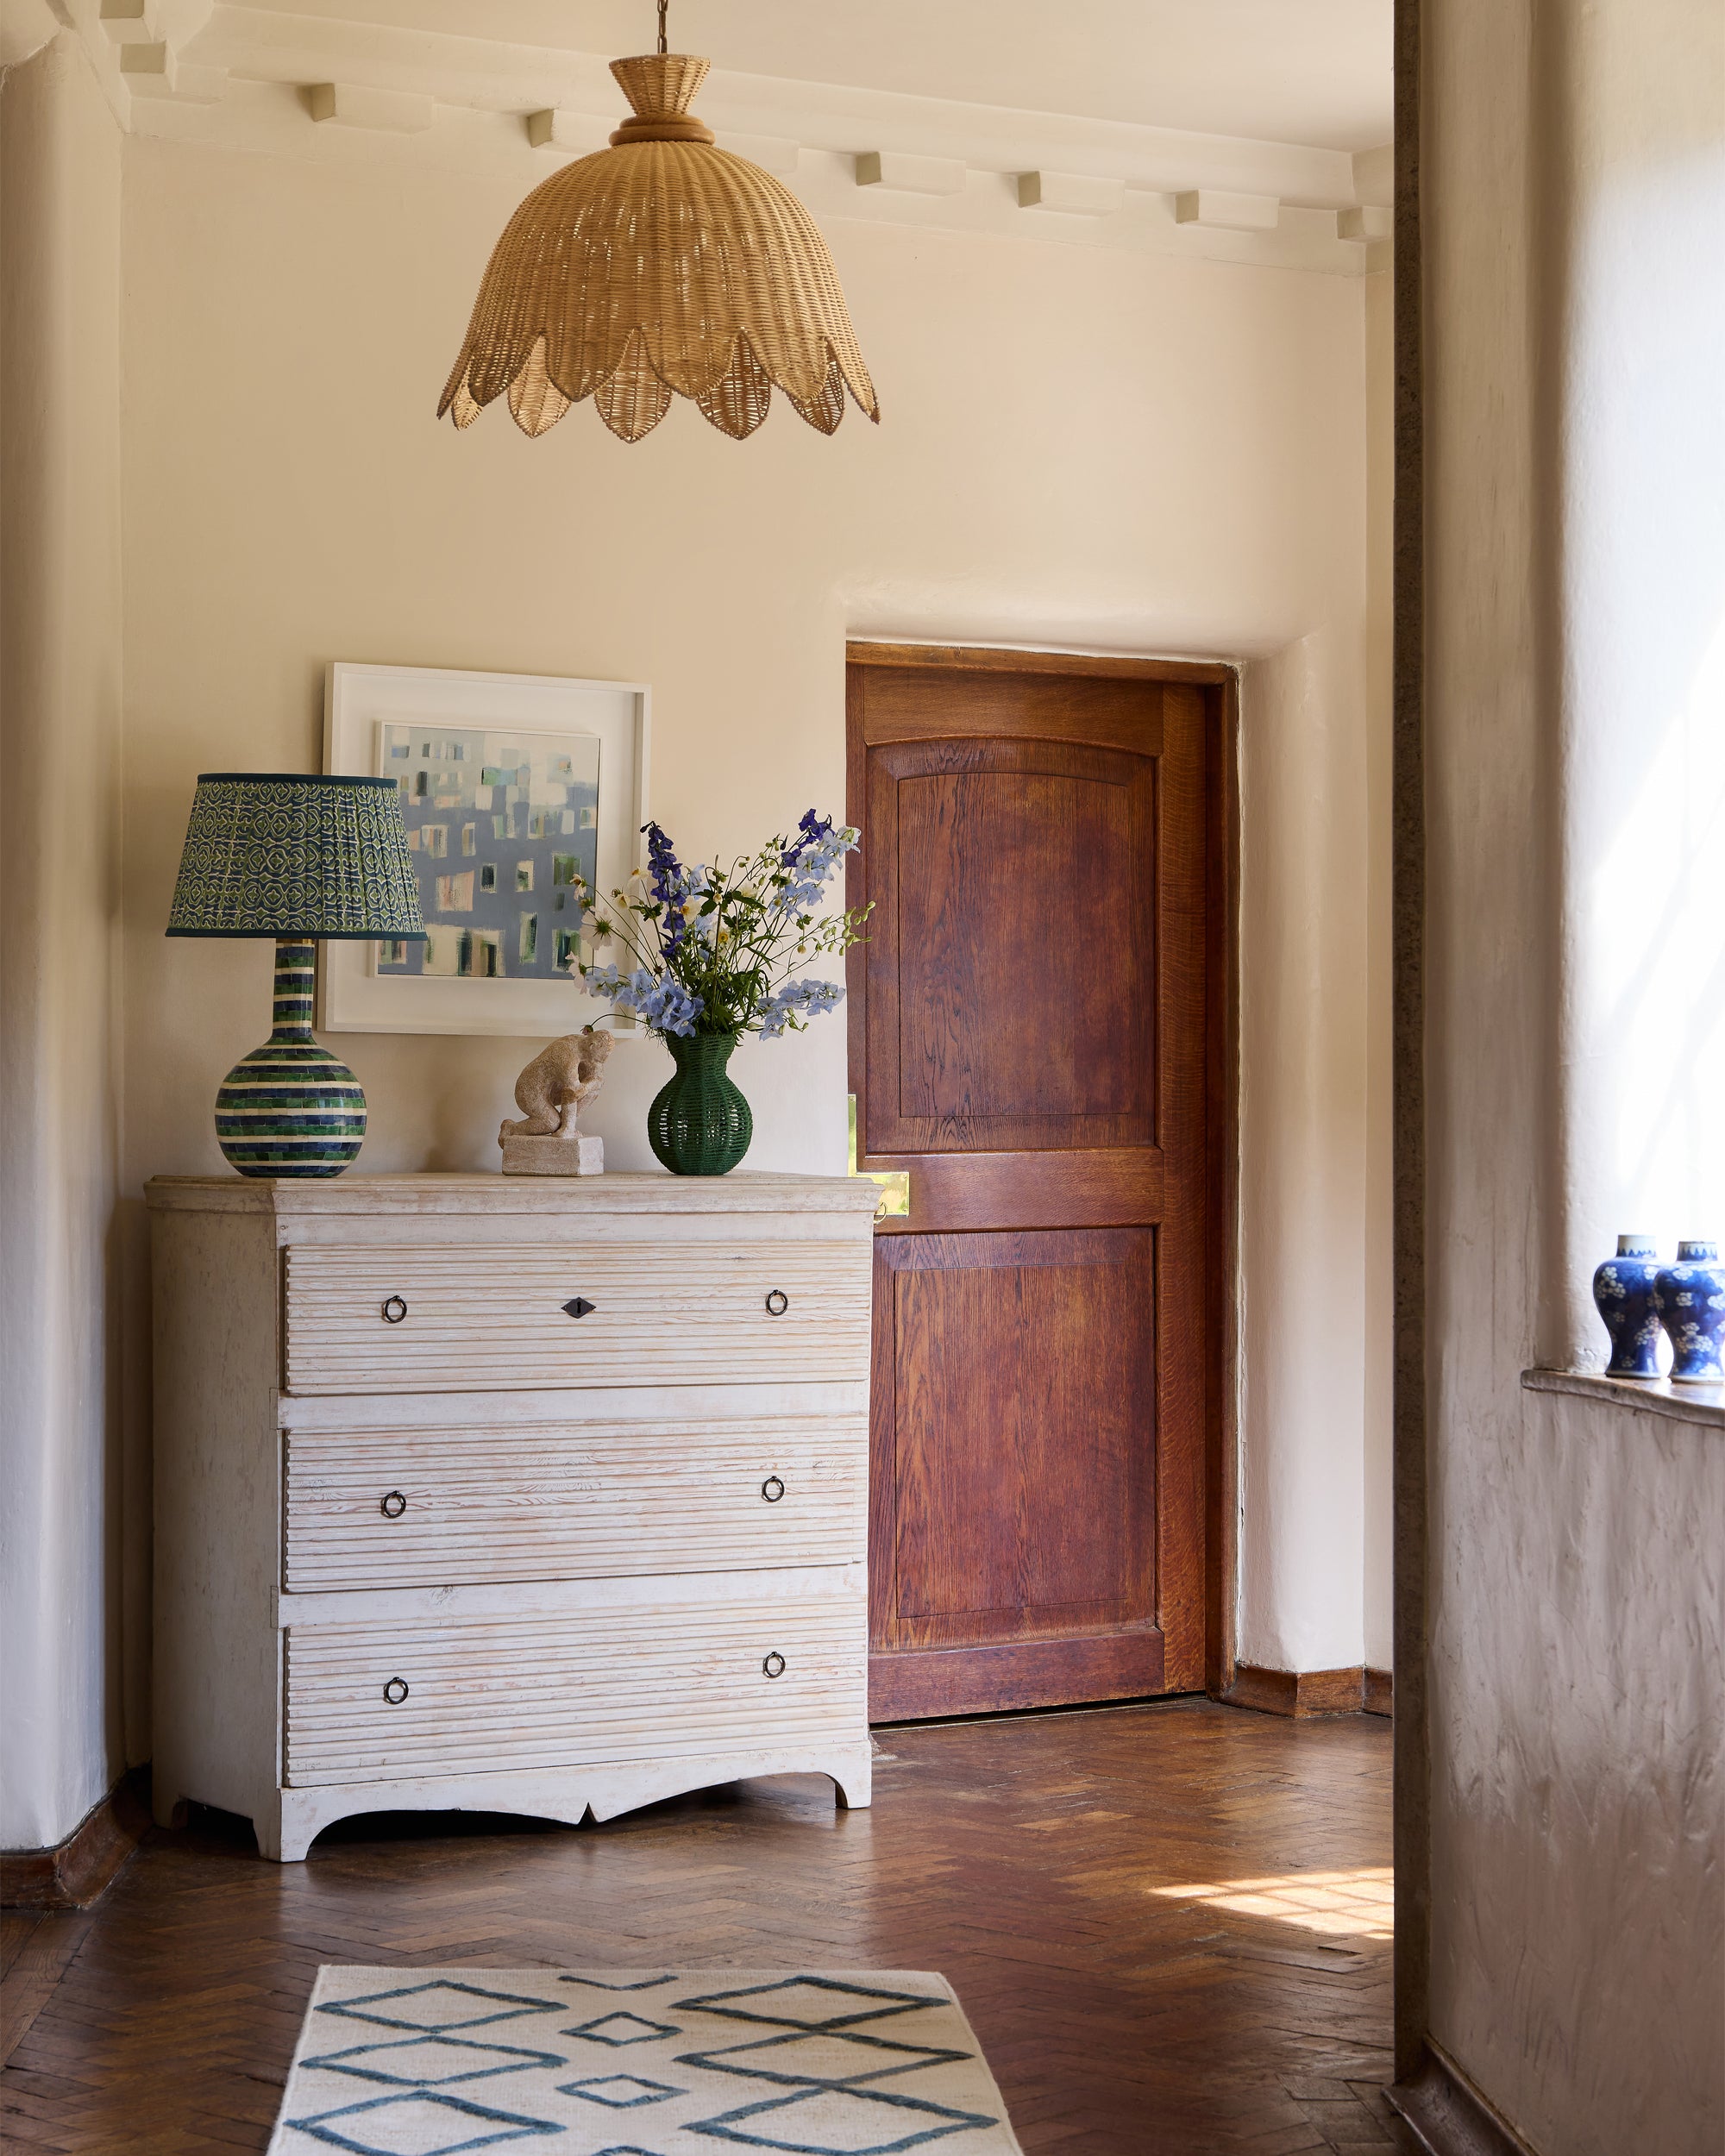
x=60 y=657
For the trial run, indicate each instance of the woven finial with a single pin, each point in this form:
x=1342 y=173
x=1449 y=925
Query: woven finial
x=661 y=87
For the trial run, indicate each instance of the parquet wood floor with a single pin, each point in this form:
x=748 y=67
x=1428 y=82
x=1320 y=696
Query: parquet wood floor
x=1022 y=1856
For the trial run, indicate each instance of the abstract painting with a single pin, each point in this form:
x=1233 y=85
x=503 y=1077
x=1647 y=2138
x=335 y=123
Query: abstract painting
x=504 y=829
x=516 y=789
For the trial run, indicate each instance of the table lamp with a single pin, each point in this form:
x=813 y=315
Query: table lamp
x=299 y=858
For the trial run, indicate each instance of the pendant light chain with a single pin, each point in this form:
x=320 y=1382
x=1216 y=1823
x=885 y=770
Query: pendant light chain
x=664 y=6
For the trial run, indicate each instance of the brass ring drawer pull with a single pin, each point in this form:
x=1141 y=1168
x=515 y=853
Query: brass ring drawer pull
x=772 y=1489
x=396 y=1690
x=777 y=1303
x=392 y=1504
x=774 y=1665
x=394 y=1311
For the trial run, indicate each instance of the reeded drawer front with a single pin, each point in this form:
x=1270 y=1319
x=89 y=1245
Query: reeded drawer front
x=586 y=1500
x=428 y=1320
x=390 y=1702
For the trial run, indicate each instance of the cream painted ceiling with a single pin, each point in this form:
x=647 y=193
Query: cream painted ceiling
x=1311 y=72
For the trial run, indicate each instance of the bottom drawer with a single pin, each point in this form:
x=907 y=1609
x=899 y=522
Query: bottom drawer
x=388 y=1702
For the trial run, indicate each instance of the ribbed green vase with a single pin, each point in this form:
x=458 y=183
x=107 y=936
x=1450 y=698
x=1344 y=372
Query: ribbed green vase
x=290 y=1107
x=701 y=1124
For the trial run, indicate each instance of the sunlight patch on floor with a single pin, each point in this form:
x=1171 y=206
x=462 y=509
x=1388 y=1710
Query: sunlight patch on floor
x=1358 y=1904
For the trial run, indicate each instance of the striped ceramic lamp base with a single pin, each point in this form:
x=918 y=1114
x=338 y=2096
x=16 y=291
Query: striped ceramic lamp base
x=290 y=1107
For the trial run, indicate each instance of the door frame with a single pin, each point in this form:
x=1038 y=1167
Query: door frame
x=1220 y=683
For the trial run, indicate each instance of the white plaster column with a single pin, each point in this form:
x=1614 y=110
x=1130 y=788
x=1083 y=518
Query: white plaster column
x=1304 y=1032
x=59 y=701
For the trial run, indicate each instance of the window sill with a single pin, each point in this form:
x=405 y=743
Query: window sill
x=1703 y=1405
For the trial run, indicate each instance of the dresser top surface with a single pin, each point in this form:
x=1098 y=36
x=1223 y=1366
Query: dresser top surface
x=613 y=1192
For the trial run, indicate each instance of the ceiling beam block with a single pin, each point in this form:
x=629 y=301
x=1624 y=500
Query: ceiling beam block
x=1075 y=194
x=1223 y=212
x=1365 y=222
x=148 y=68
x=357 y=105
x=902 y=173
x=129 y=21
x=559 y=128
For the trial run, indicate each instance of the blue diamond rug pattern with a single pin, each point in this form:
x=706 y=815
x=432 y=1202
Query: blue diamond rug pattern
x=430 y=2062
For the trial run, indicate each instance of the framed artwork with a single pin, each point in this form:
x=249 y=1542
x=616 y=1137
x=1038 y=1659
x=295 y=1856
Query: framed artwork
x=513 y=787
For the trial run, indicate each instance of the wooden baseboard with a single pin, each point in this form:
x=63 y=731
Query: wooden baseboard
x=1448 y=2115
x=77 y=1871
x=1380 y=1692
x=1301 y=1693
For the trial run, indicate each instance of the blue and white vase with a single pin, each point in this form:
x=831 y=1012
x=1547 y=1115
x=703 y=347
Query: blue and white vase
x=1625 y=1291
x=1691 y=1307
x=1690 y=1297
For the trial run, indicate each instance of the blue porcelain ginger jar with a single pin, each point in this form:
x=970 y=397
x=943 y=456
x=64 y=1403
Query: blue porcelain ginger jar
x=1625 y=1292
x=1690 y=1298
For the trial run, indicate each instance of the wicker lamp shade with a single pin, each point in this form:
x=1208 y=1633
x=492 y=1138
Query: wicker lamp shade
x=662 y=264
x=299 y=859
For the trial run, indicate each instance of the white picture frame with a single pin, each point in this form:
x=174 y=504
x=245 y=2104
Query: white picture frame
x=365 y=708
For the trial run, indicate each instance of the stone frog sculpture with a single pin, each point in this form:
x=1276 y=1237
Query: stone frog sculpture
x=550 y=1094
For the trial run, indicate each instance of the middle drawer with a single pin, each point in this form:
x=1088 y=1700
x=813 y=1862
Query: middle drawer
x=570 y=1501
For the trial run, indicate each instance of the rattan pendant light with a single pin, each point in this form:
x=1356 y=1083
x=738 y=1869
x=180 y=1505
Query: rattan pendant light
x=662 y=263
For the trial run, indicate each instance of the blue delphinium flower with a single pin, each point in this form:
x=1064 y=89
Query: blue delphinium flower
x=811 y=830
x=812 y=856
x=664 y=870
x=668 y=881
x=665 y=1003
x=699 y=947
x=798 y=1000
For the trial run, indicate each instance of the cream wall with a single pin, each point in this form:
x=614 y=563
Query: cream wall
x=1380 y=503
x=1079 y=447
x=60 y=1564
x=1572 y=193
x=1303 y=1068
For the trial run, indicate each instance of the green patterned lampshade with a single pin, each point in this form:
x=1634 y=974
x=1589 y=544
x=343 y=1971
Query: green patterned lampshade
x=290 y=854
x=301 y=859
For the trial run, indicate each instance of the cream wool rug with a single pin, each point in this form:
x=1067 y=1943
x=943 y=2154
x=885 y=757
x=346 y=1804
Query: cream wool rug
x=644 y=2062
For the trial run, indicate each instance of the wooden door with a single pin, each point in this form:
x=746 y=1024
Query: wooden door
x=1038 y=1027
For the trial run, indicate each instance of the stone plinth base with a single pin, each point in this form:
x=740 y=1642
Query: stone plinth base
x=554 y=1156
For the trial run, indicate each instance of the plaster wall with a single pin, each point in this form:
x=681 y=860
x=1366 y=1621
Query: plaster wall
x=1082 y=448
x=1380 y=984
x=1571 y=175
x=1303 y=1031
x=59 y=709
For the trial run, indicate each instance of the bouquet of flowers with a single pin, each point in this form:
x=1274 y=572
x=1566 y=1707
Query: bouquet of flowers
x=720 y=951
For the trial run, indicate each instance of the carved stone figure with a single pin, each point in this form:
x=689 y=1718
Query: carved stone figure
x=550 y=1094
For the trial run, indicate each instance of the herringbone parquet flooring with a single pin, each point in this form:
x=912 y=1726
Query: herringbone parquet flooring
x=1028 y=1858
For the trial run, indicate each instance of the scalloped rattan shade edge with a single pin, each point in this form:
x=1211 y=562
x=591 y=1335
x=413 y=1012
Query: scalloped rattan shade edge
x=463 y=407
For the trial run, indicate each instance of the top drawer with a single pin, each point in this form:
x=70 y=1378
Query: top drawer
x=509 y=1316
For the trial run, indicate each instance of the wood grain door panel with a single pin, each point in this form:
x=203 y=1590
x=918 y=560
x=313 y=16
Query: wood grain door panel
x=1008 y=863
x=1033 y=1034
x=1023 y=1373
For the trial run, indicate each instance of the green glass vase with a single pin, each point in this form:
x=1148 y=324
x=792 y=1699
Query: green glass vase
x=699 y=1125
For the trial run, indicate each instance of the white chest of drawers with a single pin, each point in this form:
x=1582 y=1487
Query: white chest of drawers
x=507 y=1494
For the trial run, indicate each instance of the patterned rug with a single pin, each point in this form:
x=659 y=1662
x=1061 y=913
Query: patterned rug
x=647 y=2062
